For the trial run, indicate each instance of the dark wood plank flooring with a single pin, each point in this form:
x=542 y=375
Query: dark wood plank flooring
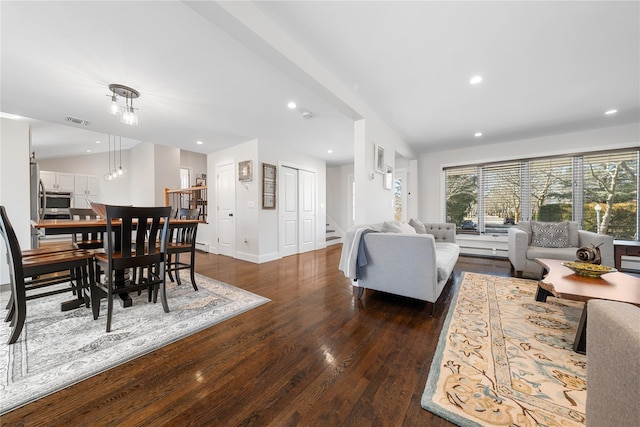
x=314 y=355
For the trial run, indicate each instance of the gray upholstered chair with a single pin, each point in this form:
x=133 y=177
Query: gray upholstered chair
x=524 y=247
x=613 y=363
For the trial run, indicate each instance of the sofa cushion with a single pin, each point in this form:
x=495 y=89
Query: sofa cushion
x=418 y=226
x=550 y=234
x=574 y=236
x=397 y=227
x=446 y=257
x=568 y=254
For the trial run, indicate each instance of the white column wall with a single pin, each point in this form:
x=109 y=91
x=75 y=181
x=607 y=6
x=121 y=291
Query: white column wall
x=15 y=147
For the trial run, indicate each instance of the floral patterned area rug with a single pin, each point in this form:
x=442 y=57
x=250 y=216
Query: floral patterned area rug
x=504 y=359
x=57 y=349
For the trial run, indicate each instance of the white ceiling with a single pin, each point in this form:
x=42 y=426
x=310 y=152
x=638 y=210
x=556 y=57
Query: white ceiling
x=548 y=67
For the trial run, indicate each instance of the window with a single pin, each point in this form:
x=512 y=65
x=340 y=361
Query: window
x=610 y=203
x=599 y=190
x=462 y=197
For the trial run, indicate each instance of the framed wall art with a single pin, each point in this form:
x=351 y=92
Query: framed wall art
x=268 y=186
x=378 y=158
x=245 y=172
x=201 y=182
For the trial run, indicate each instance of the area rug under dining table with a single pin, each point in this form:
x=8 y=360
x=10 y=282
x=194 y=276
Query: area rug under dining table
x=57 y=349
x=504 y=359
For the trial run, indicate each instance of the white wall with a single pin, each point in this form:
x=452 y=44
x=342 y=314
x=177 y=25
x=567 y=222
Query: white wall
x=374 y=203
x=196 y=162
x=259 y=226
x=246 y=218
x=338 y=203
x=432 y=197
x=167 y=171
x=142 y=175
x=15 y=147
x=276 y=155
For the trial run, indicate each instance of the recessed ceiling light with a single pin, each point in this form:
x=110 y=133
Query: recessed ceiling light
x=475 y=80
x=610 y=112
x=199 y=142
x=98 y=142
x=89 y=150
x=477 y=134
x=330 y=151
x=292 y=105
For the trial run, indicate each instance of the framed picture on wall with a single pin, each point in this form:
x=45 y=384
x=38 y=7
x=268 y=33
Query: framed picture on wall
x=269 y=201
x=201 y=182
x=245 y=172
x=378 y=158
x=268 y=186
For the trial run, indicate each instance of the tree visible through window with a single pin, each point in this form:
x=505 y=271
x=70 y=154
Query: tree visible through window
x=611 y=193
x=598 y=190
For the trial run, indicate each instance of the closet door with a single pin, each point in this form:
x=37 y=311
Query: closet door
x=306 y=211
x=288 y=204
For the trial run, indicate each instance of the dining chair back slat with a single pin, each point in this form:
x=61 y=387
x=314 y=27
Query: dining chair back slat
x=41 y=270
x=136 y=241
x=182 y=240
x=86 y=239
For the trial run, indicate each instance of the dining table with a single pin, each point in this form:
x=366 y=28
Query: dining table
x=52 y=227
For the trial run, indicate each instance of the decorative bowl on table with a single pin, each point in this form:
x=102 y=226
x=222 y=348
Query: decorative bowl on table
x=587 y=269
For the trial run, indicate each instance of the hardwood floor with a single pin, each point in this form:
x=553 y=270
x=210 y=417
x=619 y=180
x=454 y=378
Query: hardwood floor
x=313 y=356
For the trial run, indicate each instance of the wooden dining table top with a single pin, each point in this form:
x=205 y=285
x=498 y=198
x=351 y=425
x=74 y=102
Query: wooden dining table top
x=70 y=224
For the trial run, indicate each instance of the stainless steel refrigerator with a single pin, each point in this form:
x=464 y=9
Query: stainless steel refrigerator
x=37 y=199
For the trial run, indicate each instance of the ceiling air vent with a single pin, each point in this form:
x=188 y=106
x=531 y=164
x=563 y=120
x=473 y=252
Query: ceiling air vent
x=77 y=121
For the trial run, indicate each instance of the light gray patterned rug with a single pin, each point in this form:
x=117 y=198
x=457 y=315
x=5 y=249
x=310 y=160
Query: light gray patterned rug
x=57 y=349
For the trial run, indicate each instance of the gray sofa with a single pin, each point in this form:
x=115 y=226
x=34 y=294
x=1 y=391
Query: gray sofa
x=522 y=254
x=613 y=364
x=411 y=264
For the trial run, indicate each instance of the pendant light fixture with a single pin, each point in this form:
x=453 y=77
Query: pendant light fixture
x=121 y=171
x=127 y=113
x=107 y=176
x=116 y=171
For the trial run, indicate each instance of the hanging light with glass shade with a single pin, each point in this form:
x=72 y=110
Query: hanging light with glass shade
x=121 y=171
x=127 y=113
x=107 y=176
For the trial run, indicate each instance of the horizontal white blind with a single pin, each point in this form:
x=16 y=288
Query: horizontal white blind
x=551 y=187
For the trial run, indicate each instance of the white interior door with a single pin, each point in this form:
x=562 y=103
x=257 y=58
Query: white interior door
x=306 y=211
x=225 y=192
x=288 y=206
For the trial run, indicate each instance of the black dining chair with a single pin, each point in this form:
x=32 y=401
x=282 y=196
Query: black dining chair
x=30 y=275
x=136 y=240
x=182 y=240
x=86 y=239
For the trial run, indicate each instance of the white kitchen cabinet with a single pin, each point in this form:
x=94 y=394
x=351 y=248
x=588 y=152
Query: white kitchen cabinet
x=58 y=181
x=86 y=187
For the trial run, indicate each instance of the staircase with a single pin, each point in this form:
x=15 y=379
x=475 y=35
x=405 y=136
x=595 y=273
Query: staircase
x=333 y=236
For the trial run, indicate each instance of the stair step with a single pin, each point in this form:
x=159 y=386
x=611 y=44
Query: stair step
x=332 y=238
x=331 y=231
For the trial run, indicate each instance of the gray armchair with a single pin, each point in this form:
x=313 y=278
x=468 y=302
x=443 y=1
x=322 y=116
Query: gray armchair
x=522 y=254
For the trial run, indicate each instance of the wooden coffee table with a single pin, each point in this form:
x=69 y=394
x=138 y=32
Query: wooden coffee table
x=561 y=282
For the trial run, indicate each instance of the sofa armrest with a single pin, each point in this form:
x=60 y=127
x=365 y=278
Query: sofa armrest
x=518 y=245
x=441 y=231
x=588 y=238
x=613 y=363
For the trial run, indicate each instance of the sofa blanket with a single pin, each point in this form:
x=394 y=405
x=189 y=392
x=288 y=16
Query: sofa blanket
x=402 y=263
